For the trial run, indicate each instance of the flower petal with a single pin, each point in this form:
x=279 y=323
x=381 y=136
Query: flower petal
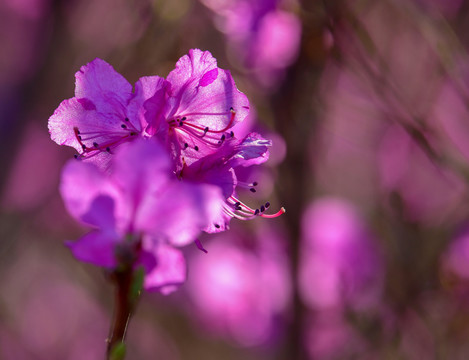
x=146 y=88
x=179 y=212
x=253 y=150
x=105 y=87
x=80 y=186
x=97 y=248
x=205 y=94
x=140 y=168
x=170 y=271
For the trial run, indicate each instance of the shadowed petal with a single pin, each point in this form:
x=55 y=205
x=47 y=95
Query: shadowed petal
x=140 y=169
x=81 y=184
x=170 y=271
x=180 y=212
x=96 y=247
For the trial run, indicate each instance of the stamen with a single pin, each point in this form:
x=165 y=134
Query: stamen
x=123 y=126
x=252 y=190
x=196 y=148
x=96 y=145
x=244 y=212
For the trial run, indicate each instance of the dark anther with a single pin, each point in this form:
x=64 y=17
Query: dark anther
x=206 y=130
x=127 y=119
x=79 y=137
x=256 y=212
x=238 y=208
x=78 y=131
x=237 y=203
x=181 y=123
x=222 y=137
x=231 y=108
x=186 y=145
x=262 y=208
x=184 y=118
x=108 y=149
x=254 y=183
x=133 y=133
x=196 y=148
x=232 y=133
x=252 y=190
x=123 y=126
x=217 y=226
x=267 y=204
x=83 y=146
x=75 y=156
x=95 y=144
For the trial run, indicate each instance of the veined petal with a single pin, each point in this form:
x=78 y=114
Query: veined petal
x=253 y=150
x=190 y=67
x=204 y=94
x=170 y=270
x=105 y=87
x=179 y=212
x=96 y=247
x=76 y=123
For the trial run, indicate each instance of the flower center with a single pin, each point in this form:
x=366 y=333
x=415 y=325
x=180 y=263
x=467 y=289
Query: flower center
x=191 y=134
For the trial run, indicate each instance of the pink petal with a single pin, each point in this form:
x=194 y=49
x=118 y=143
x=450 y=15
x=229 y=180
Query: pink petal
x=253 y=150
x=76 y=118
x=81 y=184
x=100 y=83
x=202 y=98
x=140 y=168
x=179 y=212
x=170 y=271
x=96 y=247
x=148 y=87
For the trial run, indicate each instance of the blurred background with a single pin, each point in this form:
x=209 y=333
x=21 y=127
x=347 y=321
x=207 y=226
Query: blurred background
x=367 y=104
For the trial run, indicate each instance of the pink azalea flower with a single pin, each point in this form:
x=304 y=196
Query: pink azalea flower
x=138 y=212
x=104 y=113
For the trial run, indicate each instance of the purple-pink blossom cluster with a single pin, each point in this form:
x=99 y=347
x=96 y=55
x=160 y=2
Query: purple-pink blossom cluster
x=155 y=165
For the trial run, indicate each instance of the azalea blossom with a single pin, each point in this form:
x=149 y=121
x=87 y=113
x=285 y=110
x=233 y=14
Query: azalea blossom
x=139 y=212
x=104 y=113
x=192 y=113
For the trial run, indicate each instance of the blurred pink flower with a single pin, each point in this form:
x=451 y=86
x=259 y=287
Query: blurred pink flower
x=456 y=257
x=340 y=264
x=429 y=191
x=265 y=37
x=241 y=288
